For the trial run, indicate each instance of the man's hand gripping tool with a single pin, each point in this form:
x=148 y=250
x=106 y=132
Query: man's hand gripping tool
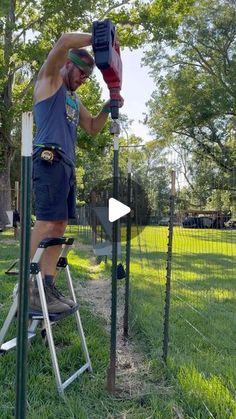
x=107 y=58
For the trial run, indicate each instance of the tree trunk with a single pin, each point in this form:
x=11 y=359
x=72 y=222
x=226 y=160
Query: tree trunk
x=5 y=192
x=6 y=115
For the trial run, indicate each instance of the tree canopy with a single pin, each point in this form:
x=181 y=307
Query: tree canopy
x=28 y=30
x=191 y=53
x=195 y=73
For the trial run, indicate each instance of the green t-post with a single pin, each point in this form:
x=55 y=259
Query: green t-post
x=24 y=271
x=128 y=245
x=169 y=271
x=111 y=374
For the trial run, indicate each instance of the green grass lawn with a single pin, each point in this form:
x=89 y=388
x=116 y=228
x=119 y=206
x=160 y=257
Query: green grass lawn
x=87 y=397
x=200 y=379
x=202 y=346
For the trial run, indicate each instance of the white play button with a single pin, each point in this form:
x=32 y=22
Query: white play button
x=116 y=210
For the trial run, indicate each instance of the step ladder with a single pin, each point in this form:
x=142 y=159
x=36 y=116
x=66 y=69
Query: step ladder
x=48 y=318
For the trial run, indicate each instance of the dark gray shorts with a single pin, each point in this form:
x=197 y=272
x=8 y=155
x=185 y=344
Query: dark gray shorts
x=54 y=188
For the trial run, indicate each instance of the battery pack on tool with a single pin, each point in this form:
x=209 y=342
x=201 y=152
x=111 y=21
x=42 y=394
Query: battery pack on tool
x=108 y=60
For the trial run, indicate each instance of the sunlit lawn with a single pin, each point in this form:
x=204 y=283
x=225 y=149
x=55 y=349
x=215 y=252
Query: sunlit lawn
x=202 y=346
x=87 y=397
x=200 y=377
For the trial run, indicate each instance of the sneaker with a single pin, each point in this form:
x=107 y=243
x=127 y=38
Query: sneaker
x=66 y=300
x=54 y=305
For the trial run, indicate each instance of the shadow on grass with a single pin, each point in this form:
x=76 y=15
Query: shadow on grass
x=200 y=334
x=209 y=235
x=192 y=266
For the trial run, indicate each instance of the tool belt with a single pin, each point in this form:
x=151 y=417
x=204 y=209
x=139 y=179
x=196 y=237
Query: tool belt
x=49 y=155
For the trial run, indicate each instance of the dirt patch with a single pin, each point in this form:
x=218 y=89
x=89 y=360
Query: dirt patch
x=83 y=247
x=133 y=376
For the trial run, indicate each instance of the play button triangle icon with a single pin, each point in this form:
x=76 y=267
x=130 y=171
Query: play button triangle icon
x=116 y=210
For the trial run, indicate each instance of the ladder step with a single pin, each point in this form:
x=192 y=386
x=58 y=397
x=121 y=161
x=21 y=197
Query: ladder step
x=54 y=317
x=12 y=273
x=85 y=367
x=11 y=344
x=10 y=270
x=48 y=318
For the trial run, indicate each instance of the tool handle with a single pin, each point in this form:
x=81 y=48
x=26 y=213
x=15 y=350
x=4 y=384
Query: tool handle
x=107 y=58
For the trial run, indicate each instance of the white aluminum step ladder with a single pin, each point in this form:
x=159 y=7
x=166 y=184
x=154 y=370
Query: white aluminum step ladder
x=48 y=318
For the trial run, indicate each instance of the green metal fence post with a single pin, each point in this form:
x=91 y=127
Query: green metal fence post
x=168 y=271
x=24 y=271
x=128 y=243
x=111 y=374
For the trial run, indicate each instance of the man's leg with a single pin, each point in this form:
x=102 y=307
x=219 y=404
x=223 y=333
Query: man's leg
x=54 y=193
x=43 y=230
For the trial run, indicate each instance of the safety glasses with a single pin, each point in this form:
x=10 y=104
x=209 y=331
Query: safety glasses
x=85 y=68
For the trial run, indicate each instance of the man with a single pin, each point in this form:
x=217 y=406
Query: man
x=58 y=112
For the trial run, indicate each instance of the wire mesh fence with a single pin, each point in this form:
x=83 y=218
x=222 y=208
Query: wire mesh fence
x=183 y=289
x=202 y=349
x=183 y=297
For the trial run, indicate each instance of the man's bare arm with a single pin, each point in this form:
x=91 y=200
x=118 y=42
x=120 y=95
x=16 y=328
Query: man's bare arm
x=49 y=78
x=92 y=125
x=58 y=55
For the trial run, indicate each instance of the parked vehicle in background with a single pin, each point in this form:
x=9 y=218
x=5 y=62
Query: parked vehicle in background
x=198 y=222
x=231 y=223
x=198 y=218
x=164 y=222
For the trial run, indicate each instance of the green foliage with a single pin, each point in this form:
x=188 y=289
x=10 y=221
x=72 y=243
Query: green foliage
x=28 y=30
x=3 y=7
x=31 y=28
x=90 y=95
x=194 y=104
x=154 y=173
x=162 y=18
x=219 y=200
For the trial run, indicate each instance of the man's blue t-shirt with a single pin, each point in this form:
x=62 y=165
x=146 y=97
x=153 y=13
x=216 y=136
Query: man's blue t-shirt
x=56 y=120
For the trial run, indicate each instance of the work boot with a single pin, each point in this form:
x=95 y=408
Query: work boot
x=66 y=300
x=54 y=305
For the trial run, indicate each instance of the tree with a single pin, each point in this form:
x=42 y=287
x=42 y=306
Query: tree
x=195 y=71
x=154 y=172
x=28 y=30
x=161 y=18
x=96 y=159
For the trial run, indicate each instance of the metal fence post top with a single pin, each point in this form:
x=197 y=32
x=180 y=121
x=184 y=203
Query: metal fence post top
x=27 y=134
